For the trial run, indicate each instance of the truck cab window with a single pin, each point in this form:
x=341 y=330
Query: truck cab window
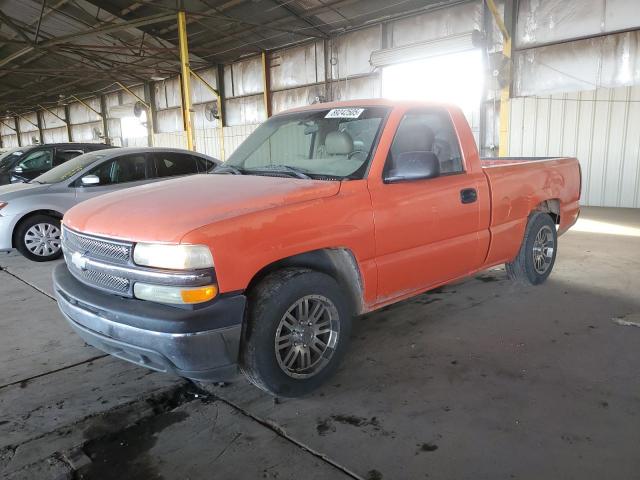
x=429 y=131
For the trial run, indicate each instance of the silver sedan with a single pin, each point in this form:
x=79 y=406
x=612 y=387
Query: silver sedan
x=30 y=213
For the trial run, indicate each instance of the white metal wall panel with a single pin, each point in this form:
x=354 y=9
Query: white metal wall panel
x=169 y=121
x=548 y=21
x=598 y=127
x=7 y=127
x=247 y=76
x=29 y=138
x=295 y=97
x=85 y=132
x=245 y=110
x=357 y=88
x=349 y=53
x=199 y=91
x=81 y=114
x=170 y=139
x=55 y=135
x=297 y=66
x=609 y=61
x=167 y=93
x=51 y=121
x=9 y=141
x=28 y=123
x=438 y=24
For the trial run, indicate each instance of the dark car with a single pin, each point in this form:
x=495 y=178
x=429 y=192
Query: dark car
x=22 y=164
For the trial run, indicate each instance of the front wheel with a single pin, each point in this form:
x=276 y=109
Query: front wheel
x=298 y=326
x=38 y=238
x=537 y=255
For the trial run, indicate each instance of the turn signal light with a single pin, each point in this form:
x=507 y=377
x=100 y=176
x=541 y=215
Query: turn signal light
x=199 y=295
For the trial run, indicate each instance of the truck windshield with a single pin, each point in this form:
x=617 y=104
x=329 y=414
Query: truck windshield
x=69 y=169
x=330 y=144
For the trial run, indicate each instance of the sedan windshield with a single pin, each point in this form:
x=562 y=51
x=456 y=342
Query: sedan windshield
x=69 y=169
x=8 y=157
x=329 y=144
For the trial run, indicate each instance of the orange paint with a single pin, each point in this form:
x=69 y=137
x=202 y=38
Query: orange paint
x=406 y=237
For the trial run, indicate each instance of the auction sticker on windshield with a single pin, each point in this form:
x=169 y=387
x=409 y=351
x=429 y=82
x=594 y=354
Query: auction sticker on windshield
x=344 y=113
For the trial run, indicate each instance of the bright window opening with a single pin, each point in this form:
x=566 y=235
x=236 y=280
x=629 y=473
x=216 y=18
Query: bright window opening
x=134 y=127
x=456 y=78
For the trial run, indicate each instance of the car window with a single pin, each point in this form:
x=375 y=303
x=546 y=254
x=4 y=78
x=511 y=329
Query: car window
x=128 y=168
x=69 y=169
x=430 y=131
x=65 y=155
x=170 y=164
x=38 y=160
x=203 y=164
x=10 y=156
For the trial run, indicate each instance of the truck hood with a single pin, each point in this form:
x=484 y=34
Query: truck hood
x=166 y=211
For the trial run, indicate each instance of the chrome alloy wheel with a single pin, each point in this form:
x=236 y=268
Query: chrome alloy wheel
x=306 y=336
x=42 y=239
x=543 y=247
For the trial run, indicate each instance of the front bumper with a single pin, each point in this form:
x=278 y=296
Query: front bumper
x=7 y=224
x=201 y=344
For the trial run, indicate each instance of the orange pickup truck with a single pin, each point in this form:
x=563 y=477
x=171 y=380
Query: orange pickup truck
x=325 y=212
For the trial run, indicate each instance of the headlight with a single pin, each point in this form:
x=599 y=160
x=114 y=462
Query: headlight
x=176 y=257
x=175 y=295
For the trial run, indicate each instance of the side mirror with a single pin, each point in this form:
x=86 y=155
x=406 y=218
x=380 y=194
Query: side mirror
x=409 y=166
x=18 y=170
x=89 y=180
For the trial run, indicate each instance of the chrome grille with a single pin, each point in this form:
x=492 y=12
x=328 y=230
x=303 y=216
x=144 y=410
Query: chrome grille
x=96 y=248
x=108 y=252
x=106 y=281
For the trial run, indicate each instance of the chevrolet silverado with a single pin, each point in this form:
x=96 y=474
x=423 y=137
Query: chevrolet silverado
x=323 y=213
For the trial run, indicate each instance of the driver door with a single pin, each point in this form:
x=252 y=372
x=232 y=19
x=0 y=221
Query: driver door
x=426 y=229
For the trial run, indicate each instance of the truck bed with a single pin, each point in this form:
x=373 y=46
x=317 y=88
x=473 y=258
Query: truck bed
x=501 y=161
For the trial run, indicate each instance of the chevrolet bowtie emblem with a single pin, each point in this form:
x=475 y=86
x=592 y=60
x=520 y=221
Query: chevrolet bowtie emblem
x=79 y=260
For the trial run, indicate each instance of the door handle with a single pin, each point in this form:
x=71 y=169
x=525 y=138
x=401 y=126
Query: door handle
x=468 y=195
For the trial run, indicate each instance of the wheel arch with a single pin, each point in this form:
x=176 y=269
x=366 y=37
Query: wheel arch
x=550 y=206
x=26 y=216
x=338 y=263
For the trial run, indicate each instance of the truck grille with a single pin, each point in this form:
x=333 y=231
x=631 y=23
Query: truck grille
x=113 y=251
x=106 y=251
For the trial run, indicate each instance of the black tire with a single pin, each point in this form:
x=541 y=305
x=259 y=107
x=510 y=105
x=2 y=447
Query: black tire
x=269 y=302
x=20 y=235
x=525 y=269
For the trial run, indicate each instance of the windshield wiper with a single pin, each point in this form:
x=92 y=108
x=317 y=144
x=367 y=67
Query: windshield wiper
x=282 y=169
x=223 y=168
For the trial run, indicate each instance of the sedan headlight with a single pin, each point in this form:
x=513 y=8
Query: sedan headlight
x=175 y=257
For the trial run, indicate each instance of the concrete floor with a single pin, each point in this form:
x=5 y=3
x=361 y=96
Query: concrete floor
x=481 y=379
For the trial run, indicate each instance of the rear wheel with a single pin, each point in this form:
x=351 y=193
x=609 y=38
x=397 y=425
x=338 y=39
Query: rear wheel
x=537 y=255
x=297 y=331
x=38 y=238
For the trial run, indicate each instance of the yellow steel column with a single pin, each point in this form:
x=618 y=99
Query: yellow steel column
x=186 y=79
x=266 y=84
x=503 y=149
x=219 y=102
